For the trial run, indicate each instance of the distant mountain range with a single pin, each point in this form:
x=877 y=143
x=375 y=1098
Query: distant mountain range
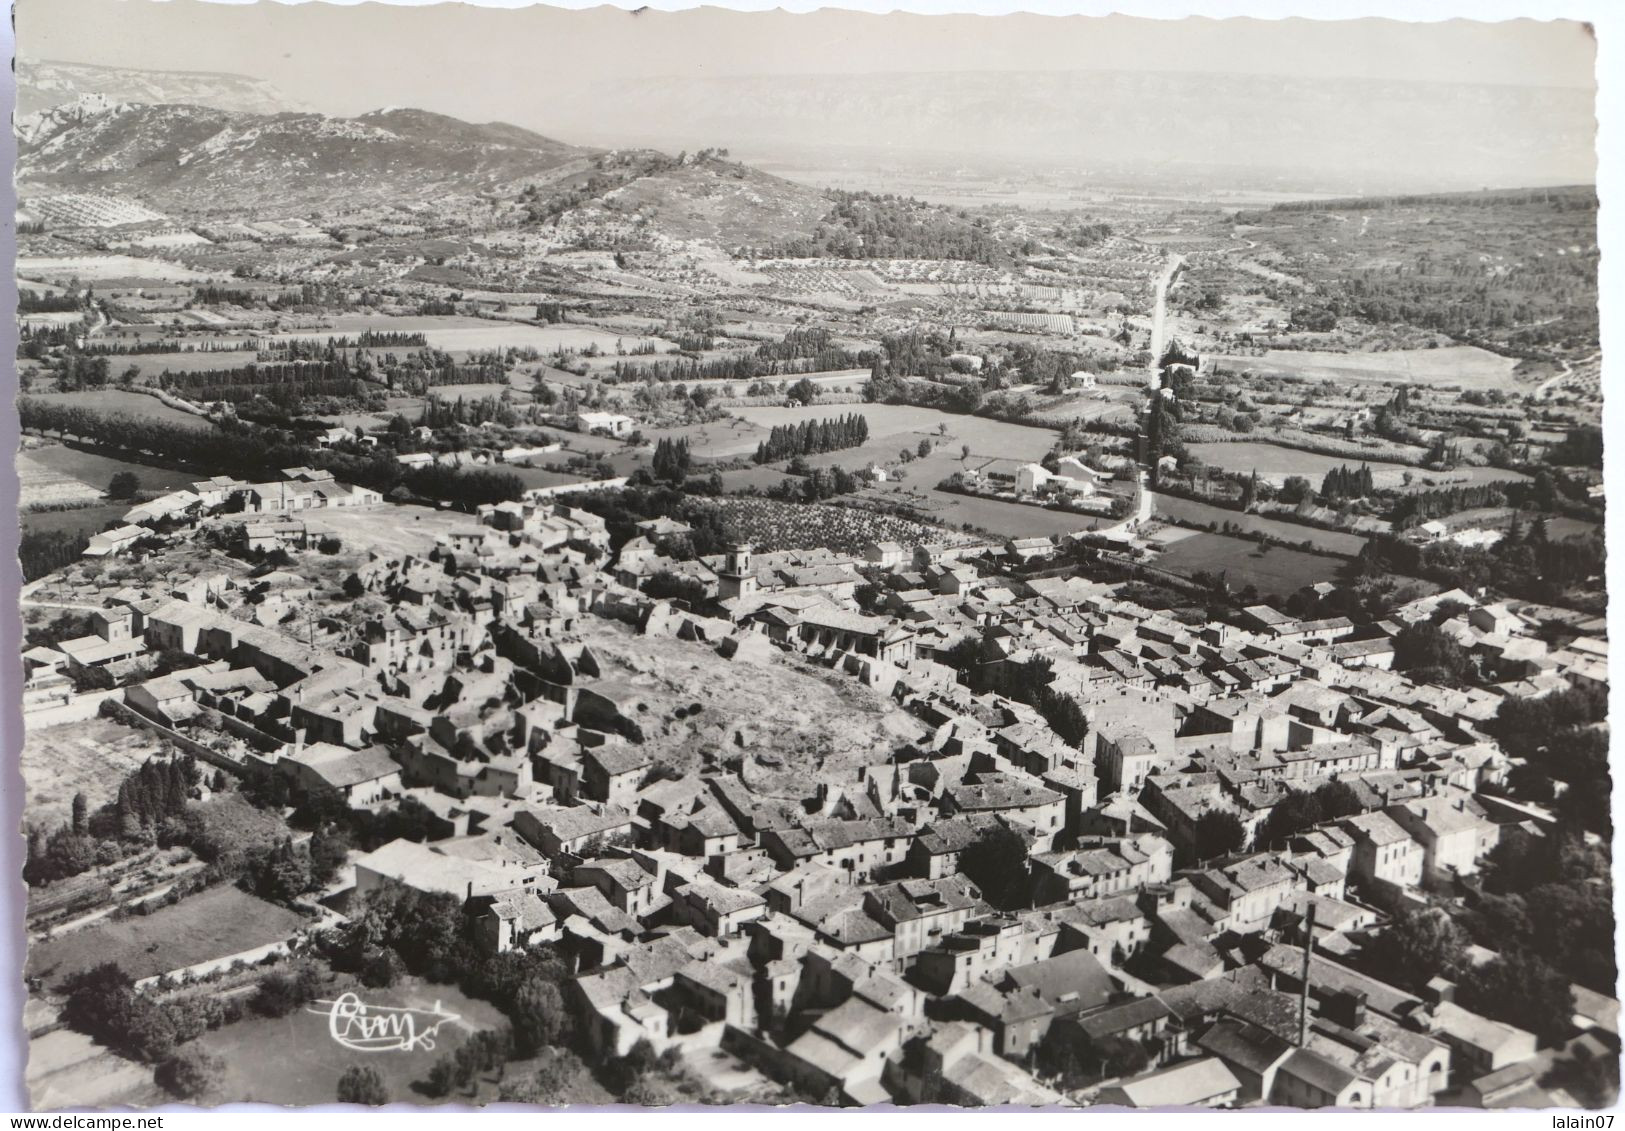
x=182 y=141
x=220 y=143
x=195 y=158
x=42 y=85
x=1337 y=134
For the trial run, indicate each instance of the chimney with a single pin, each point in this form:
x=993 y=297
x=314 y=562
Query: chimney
x=1347 y=1009
x=1440 y=990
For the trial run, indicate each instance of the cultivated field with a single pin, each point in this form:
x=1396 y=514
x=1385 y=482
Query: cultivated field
x=99 y=269
x=1559 y=528
x=891 y=427
x=760 y=478
x=80 y=520
x=90 y=757
x=53 y=318
x=986 y=437
x=109 y=401
x=540 y=476
x=476 y=392
x=1332 y=541
x=894 y=428
x=1274 y=570
x=1275 y=463
x=718 y=439
x=38 y=485
x=996 y=516
x=1466 y=366
x=455 y=332
x=774 y=525
x=588 y=444
x=98 y=470
x=181 y=361
x=214 y=923
x=1458 y=476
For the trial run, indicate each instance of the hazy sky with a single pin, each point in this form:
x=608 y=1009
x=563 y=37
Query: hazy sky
x=473 y=62
x=1370 y=103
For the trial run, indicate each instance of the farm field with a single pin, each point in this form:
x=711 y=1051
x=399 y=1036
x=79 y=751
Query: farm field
x=180 y=361
x=986 y=437
x=38 y=287
x=996 y=516
x=719 y=439
x=1558 y=528
x=109 y=401
x=52 y=318
x=760 y=478
x=365 y=420
x=294 y=1060
x=1459 y=476
x=39 y=485
x=1466 y=366
x=1332 y=541
x=455 y=332
x=774 y=525
x=1011 y=520
x=99 y=269
x=588 y=444
x=476 y=392
x=97 y=470
x=891 y=427
x=1276 y=570
x=1275 y=463
x=68 y=1069
x=214 y=923
x=90 y=757
x=540 y=476
x=81 y=520
x=1091 y=412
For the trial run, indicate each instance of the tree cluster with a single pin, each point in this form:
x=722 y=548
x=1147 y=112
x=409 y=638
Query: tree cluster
x=1562 y=738
x=286 y=384
x=1528 y=565
x=671 y=459
x=1302 y=809
x=864 y=225
x=102 y=1002
x=1347 y=483
x=813 y=436
x=1429 y=655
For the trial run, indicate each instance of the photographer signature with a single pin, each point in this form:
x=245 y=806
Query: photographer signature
x=380 y=1028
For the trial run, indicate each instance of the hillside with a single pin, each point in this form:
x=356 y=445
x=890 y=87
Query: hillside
x=192 y=158
x=43 y=84
x=1512 y=271
x=198 y=160
x=726 y=203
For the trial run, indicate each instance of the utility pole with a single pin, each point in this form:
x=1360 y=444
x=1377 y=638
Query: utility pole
x=1303 y=996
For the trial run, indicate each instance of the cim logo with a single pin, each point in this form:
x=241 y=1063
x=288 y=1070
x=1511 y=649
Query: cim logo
x=380 y=1028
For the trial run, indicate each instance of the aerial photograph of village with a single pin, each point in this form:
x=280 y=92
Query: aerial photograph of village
x=1060 y=588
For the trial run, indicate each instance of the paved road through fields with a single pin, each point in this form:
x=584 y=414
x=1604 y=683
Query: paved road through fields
x=1159 y=317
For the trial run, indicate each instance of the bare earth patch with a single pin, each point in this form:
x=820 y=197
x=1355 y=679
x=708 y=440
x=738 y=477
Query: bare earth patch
x=90 y=757
x=803 y=717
